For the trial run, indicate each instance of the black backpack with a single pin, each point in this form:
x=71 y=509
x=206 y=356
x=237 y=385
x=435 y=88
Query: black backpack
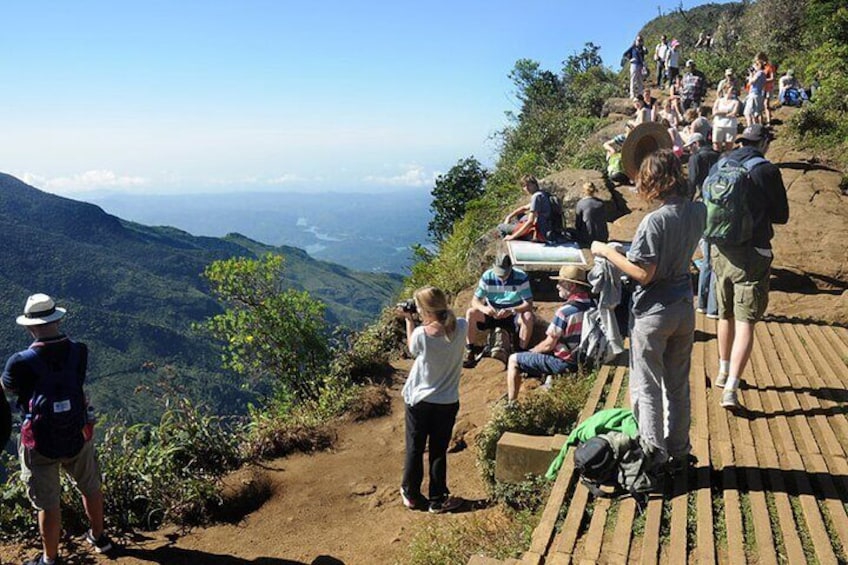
x=614 y=464
x=557 y=232
x=56 y=414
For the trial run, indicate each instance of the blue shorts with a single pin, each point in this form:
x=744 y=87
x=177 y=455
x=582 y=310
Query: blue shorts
x=541 y=364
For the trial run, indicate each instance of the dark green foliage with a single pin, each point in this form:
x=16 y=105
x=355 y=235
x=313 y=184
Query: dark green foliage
x=269 y=333
x=464 y=182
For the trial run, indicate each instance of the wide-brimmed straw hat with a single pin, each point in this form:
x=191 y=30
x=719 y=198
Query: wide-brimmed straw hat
x=40 y=309
x=643 y=140
x=572 y=274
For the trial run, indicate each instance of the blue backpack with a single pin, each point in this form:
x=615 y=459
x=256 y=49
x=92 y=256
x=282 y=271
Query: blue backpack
x=725 y=192
x=56 y=414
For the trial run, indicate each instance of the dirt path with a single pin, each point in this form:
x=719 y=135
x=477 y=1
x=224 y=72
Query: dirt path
x=338 y=506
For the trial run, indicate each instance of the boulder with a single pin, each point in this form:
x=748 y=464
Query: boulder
x=618 y=106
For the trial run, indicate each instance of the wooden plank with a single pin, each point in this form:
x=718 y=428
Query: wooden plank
x=651 y=538
x=777 y=466
x=720 y=440
x=705 y=536
x=794 y=377
x=840 y=346
x=619 y=550
x=830 y=355
x=595 y=534
x=747 y=458
x=837 y=421
x=821 y=359
x=544 y=532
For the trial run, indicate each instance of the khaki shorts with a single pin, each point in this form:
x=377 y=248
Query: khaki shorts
x=742 y=282
x=40 y=474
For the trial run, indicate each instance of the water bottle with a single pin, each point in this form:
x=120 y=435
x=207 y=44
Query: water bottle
x=90 y=419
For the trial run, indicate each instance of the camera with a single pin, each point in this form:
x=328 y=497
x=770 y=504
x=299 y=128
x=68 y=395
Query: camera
x=408 y=306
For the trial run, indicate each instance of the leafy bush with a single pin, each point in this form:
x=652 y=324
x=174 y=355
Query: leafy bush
x=535 y=414
x=168 y=472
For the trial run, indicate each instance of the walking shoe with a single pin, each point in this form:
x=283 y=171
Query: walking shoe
x=712 y=316
x=730 y=400
x=101 y=545
x=37 y=560
x=413 y=502
x=720 y=380
x=677 y=464
x=549 y=381
x=445 y=504
x=472 y=355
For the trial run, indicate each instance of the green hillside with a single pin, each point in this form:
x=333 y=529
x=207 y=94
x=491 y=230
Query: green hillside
x=133 y=292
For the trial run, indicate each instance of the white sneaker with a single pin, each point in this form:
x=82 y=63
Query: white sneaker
x=720 y=380
x=730 y=400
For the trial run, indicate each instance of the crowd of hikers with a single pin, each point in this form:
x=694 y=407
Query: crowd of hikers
x=713 y=190
x=725 y=204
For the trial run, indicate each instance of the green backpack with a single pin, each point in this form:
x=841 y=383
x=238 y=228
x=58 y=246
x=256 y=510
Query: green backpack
x=725 y=192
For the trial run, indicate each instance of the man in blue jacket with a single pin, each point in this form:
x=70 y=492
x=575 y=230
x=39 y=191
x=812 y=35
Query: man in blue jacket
x=742 y=272
x=48 y=378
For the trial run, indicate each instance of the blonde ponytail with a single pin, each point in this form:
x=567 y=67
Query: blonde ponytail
x=433 y=300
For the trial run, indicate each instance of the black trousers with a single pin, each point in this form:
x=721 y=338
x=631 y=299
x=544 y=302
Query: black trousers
x=434 y=422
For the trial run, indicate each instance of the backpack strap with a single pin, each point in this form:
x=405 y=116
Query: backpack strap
x=749 y=164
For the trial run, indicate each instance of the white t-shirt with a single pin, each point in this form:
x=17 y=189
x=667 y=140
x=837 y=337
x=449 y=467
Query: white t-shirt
x=435 y=374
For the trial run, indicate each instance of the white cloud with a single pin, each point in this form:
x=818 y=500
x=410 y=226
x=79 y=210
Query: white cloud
x=89 y=180
x=414 y=176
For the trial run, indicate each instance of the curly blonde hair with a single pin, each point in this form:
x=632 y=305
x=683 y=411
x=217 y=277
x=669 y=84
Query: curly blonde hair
x=660 y=176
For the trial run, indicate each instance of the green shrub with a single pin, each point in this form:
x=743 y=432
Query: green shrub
x=535 y=414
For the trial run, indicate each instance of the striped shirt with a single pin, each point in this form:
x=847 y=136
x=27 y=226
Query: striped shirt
x=504 y=293
x=568 y=324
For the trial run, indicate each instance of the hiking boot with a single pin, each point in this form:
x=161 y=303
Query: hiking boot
x=730 y=400
x=413 y=502
x=37 y=560
x=101 y=545
x=445 y=504
x=500 y=347
x=678 y=464
x=472 y=355
x=720 y=380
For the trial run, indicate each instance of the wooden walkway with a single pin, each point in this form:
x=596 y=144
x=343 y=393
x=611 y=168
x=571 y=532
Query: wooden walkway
x=771 y=485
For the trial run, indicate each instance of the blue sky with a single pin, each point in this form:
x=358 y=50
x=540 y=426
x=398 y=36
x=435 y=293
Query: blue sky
x=190 y=96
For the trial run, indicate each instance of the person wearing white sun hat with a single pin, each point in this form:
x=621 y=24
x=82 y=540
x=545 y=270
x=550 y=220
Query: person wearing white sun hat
x=57 y=429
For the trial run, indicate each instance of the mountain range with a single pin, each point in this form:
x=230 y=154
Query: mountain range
x=134 y=291
x=360 y=230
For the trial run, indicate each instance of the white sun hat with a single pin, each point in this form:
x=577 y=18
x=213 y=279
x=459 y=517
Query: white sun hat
x=40 y=309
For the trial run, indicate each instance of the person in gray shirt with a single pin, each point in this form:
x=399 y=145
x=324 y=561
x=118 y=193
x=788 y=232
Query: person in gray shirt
x=663 y=326
x=590 y=217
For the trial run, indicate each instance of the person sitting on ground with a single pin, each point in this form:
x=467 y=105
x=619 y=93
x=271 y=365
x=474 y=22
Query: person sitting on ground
x=557 y=353
x=431 y=398
x=725 y=120
x=615 y=170
x=590 y=217
x=791 y=93
x=675 y=93
x=503 y=299
x=756 y=94
x=669 y=112
x=697 y=123
x=702 y=158
x=728 y=80
x=642 y=114
x=677 y=142
x=694 y=86
x=530 y=221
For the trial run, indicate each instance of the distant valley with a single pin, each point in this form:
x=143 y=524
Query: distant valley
x=133 y=293
x=368 y=232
